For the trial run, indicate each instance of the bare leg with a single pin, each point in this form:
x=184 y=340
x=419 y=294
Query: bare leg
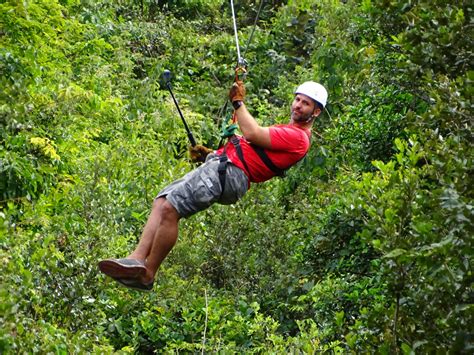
x=165 y=224
x=158 y=238
x=149 y=231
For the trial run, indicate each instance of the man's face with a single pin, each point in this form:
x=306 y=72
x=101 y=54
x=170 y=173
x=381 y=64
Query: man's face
x=302 y=108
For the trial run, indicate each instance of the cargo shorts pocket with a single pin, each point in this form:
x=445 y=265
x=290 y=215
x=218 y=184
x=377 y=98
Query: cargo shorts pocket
x=236 y=185
x=205 y=188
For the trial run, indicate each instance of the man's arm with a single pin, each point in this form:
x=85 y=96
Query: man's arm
x=251 y=130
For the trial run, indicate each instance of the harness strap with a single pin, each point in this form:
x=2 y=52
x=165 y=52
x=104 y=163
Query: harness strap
x=267 y=161
x=223 y=160
x=221 y=169
x=261 y=153
x=235 y=141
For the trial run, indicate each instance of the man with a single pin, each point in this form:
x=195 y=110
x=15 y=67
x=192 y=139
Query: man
x=260 y=154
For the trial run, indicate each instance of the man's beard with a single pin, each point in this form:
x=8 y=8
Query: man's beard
x=299 y=117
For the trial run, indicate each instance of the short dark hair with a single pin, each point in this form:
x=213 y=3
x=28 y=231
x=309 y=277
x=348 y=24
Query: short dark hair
x=320 y=106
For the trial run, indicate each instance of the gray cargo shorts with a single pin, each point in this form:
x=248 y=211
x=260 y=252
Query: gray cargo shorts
x=200 y=188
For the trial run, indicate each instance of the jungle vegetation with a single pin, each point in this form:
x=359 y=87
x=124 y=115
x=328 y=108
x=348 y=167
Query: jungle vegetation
x=366 y=246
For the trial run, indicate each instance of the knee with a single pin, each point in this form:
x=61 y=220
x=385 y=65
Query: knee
x=166 y=210
x=157 y=202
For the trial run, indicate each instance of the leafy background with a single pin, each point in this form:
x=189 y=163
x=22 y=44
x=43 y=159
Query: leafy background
x=366 y=245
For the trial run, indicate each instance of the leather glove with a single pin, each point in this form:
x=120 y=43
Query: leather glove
x=237 y=91
x=198 y=153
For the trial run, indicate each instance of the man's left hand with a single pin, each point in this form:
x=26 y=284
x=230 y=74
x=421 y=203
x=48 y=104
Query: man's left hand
x=237 y=91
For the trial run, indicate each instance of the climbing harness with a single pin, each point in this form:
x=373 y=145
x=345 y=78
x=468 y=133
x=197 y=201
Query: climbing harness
x=223 y=160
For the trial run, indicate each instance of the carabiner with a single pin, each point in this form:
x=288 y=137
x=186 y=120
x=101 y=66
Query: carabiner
x=240 y=70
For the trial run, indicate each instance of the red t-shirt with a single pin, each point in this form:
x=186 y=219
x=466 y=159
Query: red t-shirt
x=289 y=144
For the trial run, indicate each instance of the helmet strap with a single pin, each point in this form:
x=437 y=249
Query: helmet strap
x=311 y=118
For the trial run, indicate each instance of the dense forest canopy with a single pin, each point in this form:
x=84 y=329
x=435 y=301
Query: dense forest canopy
x=365 y=246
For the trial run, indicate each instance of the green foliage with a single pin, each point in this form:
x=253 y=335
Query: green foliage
x=366 y=245
x=367 y=131
x=431 y=35
x=419 y=234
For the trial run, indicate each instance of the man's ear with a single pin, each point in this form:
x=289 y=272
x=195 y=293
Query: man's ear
x=317 y=111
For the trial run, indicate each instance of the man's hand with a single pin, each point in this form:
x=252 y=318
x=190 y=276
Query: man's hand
x=237 y=91
x=198 y=153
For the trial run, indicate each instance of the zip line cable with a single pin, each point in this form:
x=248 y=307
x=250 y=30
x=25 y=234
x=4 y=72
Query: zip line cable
x=241 y=66
x=254 y=27
x=239 y=58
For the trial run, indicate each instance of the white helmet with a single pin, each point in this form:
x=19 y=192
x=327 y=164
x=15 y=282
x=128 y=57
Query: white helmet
x=313 y=90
